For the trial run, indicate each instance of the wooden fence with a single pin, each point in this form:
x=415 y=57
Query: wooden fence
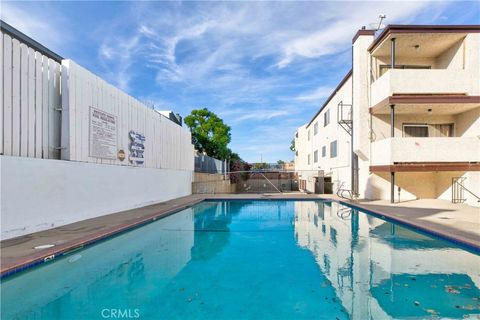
x=30 y=122
x=166 y=145
x=47 y=105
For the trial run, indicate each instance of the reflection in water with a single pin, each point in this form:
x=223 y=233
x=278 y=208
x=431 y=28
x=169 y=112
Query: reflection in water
x=255 y=260
x=108 y=275
x=382 y=271
x=211 y=220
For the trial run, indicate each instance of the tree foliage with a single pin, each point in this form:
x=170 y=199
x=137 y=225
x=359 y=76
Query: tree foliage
x=238 y=169
x=292 y=145
x=210 y=134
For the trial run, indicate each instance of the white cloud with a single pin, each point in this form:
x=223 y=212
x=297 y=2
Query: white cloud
x=316 y=95
x=39 y=29
x=252 y=63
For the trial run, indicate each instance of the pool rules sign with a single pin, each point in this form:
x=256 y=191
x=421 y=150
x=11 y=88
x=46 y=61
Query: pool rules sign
x=103 y=134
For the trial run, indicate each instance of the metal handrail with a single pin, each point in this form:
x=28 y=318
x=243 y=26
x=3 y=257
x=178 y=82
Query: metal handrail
x=465 y=188
x=344 y=213
x=341 y=191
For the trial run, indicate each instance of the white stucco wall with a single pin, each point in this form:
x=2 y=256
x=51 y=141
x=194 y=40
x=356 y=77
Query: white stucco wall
x=455 y=70
x=39 y=194
x=409 y=81
x=338 y=168
x=391 y=150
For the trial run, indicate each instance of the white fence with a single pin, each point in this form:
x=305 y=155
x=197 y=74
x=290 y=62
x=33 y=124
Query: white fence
x=29 y=123
x=46 y=113
x=166 y=145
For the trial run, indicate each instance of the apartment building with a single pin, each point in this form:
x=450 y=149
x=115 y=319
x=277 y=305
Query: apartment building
x=404 y=123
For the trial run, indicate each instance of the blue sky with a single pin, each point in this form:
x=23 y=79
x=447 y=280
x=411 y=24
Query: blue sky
x=264 y=67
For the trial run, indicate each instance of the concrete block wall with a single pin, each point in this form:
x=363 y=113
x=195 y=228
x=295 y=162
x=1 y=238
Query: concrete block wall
x=208 y=183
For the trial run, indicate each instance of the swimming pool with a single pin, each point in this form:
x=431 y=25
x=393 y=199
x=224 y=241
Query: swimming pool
x=254 y=260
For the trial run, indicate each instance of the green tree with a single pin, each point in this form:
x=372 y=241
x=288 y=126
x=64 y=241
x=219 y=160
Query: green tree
x=292 y=145
x=280 y=162
x=209 y=133
x=233 y=156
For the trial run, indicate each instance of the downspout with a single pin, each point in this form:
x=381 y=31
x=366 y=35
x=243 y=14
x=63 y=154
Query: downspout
x=352 y=160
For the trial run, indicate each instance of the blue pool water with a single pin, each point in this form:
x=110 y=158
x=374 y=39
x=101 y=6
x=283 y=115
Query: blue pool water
x=255 y=260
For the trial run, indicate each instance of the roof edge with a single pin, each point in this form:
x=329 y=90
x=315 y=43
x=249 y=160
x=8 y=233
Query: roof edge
x=337 y=88
x=399 y=28
x=363 y=32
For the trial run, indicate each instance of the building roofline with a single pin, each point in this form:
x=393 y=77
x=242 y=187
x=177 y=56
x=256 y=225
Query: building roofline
x=363 y=32
x=398 y=28
x=8 y=29
x=347 y=76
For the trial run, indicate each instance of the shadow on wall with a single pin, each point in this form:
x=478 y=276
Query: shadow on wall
x=413 y=185
x=465 y=121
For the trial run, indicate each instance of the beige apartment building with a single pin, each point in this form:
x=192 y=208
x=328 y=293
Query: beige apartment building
x=404 y=123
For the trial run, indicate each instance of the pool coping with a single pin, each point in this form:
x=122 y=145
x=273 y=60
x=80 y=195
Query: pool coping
x=463 y=243
x=51 y=254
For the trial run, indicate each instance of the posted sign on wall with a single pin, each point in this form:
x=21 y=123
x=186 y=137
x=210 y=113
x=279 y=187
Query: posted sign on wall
x=103 y=134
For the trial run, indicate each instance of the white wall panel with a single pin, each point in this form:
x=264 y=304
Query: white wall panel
x=31 y=103
x=63 y=192
x=1 y=92
x=7 y=95
x=15 y=97
x=167 y=145
x=23 y=100
x=27 y=120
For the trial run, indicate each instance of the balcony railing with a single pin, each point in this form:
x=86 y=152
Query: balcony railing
x=455 y=149
x=421 y=81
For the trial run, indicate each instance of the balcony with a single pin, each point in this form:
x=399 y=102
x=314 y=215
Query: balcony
x=424 y=81
x=455 y=149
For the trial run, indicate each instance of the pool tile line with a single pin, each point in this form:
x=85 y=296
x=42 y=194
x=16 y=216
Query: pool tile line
x=68 y=248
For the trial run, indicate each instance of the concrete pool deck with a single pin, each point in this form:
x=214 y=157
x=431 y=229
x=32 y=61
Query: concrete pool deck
x=457 y=222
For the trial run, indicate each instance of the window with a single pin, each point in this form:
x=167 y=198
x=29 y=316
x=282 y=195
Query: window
x=333 y=149
x=315 y=156
x=315 y=128
x=308 y=135
x=419 y=130
x=308 y=159
x=326 y=118
x=296 y=153
x=324 y=151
